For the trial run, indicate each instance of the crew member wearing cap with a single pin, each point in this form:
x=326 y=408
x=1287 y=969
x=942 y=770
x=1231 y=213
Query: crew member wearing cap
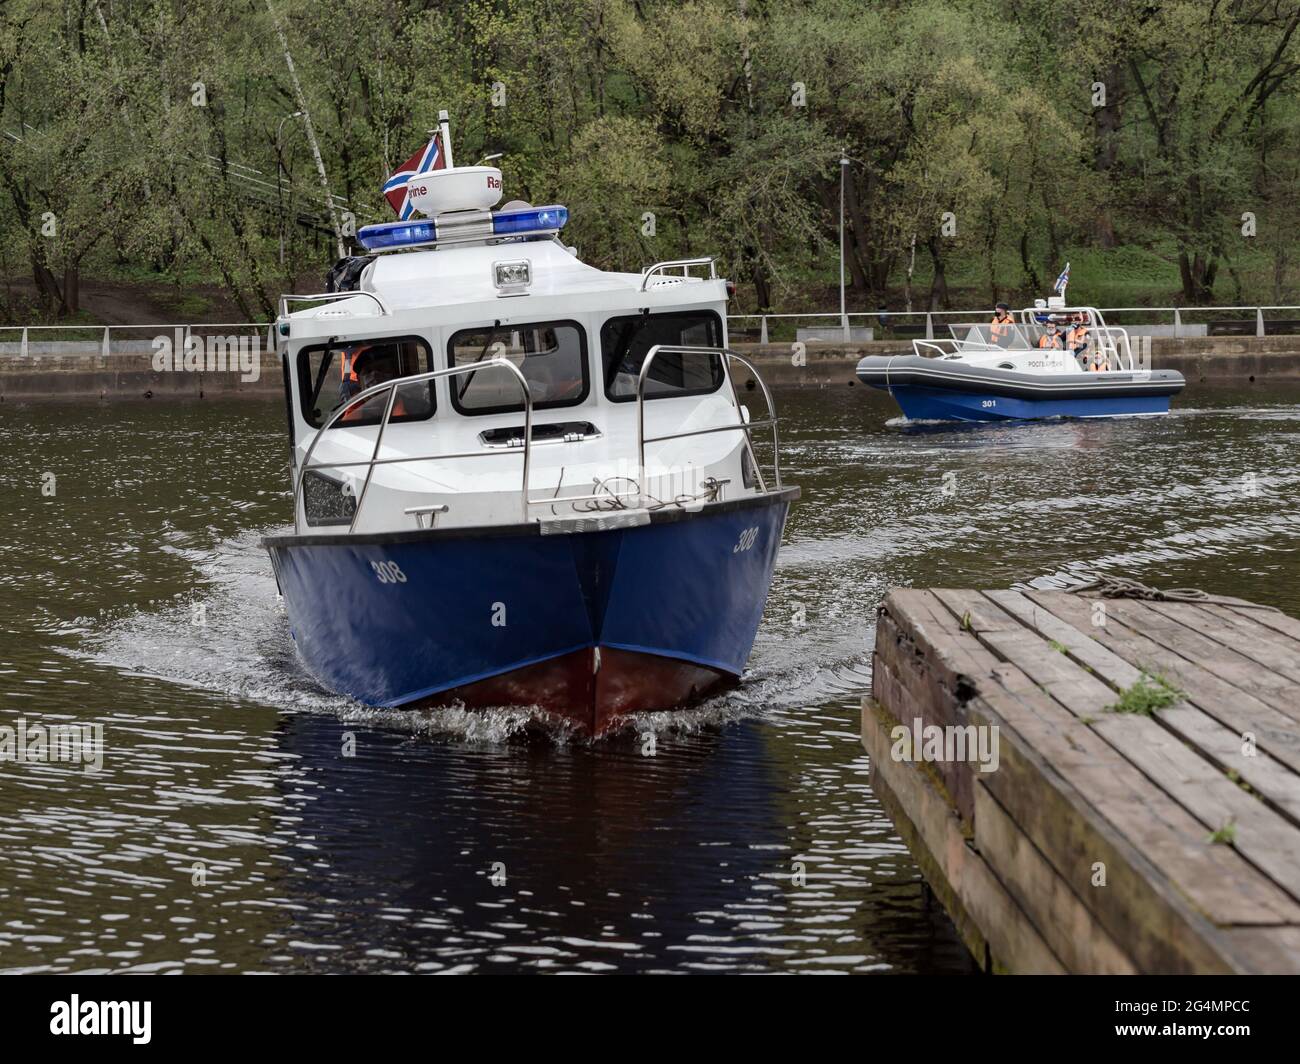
x=375 y=365
x=1001 y=325
x=1076 y=340
x=1051 y=338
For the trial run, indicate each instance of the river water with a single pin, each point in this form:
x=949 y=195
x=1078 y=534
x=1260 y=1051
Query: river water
x=244 y=819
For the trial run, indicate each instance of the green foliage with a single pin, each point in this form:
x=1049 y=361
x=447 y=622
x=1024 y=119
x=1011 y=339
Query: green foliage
x=724 y=119
x=1225 y=835
x=1148 y=694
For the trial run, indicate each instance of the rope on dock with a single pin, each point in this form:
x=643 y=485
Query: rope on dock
x=1123 y=587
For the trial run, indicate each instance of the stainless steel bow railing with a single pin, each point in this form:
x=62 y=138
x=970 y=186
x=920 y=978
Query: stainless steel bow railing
x=746 y=427
x=390 y=388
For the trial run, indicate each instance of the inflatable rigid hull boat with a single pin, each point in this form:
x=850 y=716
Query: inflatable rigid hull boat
x=933 y=389
x=1048 y=360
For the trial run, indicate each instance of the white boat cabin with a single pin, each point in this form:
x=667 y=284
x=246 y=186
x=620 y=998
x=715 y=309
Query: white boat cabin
x=475 y=321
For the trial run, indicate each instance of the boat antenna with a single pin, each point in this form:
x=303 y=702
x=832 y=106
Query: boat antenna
x=444 y=131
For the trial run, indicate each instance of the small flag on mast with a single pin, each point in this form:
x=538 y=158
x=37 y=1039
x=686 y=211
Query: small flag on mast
x=1063 y=280
x=429 y=157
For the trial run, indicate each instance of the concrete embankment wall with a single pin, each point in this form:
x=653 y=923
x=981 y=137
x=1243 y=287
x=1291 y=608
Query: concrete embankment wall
x=54 y=371
x=1213 y=359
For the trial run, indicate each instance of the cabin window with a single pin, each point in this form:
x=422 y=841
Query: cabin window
x=552 y=356
x=329 y=375
x=624 y=343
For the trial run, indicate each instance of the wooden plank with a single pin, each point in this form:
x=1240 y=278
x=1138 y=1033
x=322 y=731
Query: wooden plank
x=1239 y=671
x=1274 y=651
x=1097 y=819
x=918 y=647
x=1279 y=622
x=1215 y=879
x=1127 y=800
x=1137 y=906
x=1267 y=840
x=1274 y=731
x=1066 y=924
x=1010 y=935
x=1266 y=950
x=961 y=657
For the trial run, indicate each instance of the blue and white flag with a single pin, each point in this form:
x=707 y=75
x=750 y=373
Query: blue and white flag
x=1063 y=280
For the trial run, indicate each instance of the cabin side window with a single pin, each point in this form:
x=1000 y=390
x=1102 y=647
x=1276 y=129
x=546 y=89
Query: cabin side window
x=331 y=374
x=625 y=342
x=552 y=356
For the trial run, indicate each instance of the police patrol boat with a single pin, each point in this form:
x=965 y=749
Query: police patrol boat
x=1049 y=360
x=519 y=480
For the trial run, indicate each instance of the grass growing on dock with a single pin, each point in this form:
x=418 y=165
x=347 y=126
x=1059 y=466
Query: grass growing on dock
x=1224 y=836
x=1151 y=692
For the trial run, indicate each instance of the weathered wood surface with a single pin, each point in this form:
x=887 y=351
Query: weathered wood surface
x=1115 y=842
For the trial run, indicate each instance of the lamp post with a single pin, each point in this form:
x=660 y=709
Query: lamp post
x=844 y=317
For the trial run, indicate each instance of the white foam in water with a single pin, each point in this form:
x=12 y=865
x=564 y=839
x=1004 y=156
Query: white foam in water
x=243 y=650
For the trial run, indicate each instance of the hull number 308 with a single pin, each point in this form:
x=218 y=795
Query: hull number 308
x=388 y=573
x=746 y=540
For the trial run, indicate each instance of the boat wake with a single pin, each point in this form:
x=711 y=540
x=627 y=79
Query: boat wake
x=231 y=637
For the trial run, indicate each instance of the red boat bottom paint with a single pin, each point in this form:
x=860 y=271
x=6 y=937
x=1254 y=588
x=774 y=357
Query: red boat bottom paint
x=592 y=688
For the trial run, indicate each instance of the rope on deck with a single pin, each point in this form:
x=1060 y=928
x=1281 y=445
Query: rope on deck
x=1123 y=587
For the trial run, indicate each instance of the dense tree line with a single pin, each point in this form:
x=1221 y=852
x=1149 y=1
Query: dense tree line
x=182 y=137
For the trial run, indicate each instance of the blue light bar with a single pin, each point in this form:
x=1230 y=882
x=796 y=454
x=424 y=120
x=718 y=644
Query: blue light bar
x=529 y=220
x=389 y=235
x=523 y=221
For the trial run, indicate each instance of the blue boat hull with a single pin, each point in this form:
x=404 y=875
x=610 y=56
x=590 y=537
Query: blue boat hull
x=947 y=389
x=589 y=624
x=939 y=404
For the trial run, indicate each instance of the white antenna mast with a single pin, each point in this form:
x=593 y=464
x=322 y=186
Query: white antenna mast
x=444 y=127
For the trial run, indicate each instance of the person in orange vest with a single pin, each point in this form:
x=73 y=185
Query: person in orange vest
x=349 y=385
x=1000 y=328
x=373 y=365
x=1076 y=340
x=1051 y=338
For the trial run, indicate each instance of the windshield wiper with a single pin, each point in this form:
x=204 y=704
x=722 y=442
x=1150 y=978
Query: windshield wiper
x=616 y=363
x=487 y=346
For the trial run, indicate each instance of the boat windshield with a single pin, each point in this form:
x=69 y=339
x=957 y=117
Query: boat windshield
x=625 y=341
x=552 y=356
x=1007 y=335
x=329 y=375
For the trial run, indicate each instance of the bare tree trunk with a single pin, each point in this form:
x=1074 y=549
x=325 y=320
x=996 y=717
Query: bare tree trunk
x=939 y=284
x=309 y=128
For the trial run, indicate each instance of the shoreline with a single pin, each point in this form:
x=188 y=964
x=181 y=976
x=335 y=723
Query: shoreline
x=126 y=371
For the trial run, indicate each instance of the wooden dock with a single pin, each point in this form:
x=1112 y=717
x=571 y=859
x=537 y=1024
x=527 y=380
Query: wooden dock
x=1113 y=834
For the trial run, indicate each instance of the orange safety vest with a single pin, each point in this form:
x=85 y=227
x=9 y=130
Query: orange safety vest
x=346 y=372
x=355 y=413
x=1000 y=327
x=1079 y=334
x=1049 y=340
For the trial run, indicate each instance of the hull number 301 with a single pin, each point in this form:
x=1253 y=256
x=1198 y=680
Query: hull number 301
x=746 y=540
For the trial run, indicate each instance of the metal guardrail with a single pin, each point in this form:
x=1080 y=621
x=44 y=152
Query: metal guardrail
x=106 y=332
x=744 y=426
x=1174 y=316
x=683 y=264
x=390 y=387
x=330 y=297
